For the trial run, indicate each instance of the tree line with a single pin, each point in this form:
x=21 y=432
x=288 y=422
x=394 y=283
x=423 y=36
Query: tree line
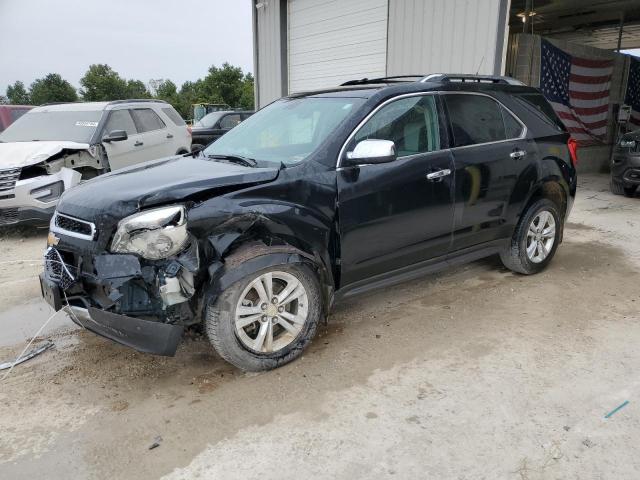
x=225 y=84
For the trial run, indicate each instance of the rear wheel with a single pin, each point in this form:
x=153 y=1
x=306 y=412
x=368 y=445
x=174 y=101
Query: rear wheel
x=266 y=319
x=535 y=239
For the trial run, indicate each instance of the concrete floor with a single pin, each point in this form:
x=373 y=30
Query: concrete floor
x=475 y=373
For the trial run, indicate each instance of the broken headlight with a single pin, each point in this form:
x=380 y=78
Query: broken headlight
x=154 y=234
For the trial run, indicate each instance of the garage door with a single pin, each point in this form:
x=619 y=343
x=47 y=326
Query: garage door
x=332 y=41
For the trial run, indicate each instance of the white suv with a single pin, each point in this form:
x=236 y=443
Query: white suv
x=54 y=147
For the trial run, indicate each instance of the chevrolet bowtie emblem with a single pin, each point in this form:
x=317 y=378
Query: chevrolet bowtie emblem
x=52 y=240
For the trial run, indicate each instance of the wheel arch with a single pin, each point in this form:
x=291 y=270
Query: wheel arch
x=553 y=189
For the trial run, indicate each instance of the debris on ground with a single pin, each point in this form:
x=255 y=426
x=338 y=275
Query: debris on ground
x=619 y=407
x=156 y=442
x=27 y=356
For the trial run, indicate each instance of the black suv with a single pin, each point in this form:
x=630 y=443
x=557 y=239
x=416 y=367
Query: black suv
x=215 y=124
x=318 y=196
x=625 y=165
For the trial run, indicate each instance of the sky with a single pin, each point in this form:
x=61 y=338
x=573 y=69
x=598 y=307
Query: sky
x=140 y=39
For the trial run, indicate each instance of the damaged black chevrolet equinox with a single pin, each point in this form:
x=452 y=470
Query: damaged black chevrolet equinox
x=316 y=197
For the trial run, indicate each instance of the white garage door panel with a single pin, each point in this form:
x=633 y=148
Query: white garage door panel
x=332 y=41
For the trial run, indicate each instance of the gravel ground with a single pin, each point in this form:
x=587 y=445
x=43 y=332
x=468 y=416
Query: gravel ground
x=475 y=373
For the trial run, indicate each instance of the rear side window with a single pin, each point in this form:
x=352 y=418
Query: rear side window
x=474 y=119
x=146 y=120
x=120 y=120
x=173 y=116
x=537 y=102
x=411 y=123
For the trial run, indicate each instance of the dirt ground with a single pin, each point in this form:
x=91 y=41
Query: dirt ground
x=475 y=373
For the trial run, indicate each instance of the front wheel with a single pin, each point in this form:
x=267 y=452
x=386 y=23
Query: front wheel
x=535 y=239
x=267 y=318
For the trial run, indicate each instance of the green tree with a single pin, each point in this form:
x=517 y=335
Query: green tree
x=17 y=94
x=101 y=83
x=52 y=88
x=248 y=98
x=137 y=89
x=190 y=93
x=223 y=84
x=4 y=100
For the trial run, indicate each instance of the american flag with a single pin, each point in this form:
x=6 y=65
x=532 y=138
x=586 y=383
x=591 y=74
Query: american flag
x=578 y=90
x=632 y=97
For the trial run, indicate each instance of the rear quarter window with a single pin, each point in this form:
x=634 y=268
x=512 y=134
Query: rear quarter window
x=536 y=103
x=173 y=116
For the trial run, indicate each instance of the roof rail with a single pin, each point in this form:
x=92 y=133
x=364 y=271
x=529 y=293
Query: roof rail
x=392 y=79
x=469 y=78
x=147 y=100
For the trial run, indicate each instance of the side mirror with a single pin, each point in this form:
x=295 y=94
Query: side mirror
x=372 y=151
x=115 y=136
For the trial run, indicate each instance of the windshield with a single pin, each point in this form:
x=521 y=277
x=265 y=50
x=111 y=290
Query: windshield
x=73 y=126
x=208 y=121
x=287 y=131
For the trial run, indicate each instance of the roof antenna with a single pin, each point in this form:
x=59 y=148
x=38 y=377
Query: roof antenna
x=480 y=66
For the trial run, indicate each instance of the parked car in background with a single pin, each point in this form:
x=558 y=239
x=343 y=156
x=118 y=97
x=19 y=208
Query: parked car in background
x=54 y=147
x=625 y=166
x=10 y=113
x=215 y=124
x=317 y=197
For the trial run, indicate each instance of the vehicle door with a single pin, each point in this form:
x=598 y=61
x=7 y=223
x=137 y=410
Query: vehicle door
x=488 y=147
x=154 y=140
x=396 y=214
x=121 y=153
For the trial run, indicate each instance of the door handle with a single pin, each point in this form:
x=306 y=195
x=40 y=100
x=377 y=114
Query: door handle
x=517 y=154
x=138 y=144
x=169 y=135
x=438 y=174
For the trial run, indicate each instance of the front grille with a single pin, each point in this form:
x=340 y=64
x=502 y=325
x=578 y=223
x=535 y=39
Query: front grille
x=74 y=226
x=8 y=216
x=61 y=272
x=8 y=179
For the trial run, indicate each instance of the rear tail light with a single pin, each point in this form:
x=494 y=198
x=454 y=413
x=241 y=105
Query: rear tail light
x=573 y=150
x=189 y=130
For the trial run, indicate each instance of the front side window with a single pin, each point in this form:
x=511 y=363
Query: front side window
x=474 y=119
x=411 y=123
x=286 y=131
x=146 y=120
x=120 y=120
x=52 y=125
x=230 y=121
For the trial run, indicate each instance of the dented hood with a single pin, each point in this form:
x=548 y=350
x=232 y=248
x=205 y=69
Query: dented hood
x=23 y=154
x=128 y=190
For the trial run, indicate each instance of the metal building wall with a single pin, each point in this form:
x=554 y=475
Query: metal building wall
x=270 y=49
x=434 y=36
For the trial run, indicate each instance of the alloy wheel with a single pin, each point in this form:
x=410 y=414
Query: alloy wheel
x=271 y=312
x=541 y=236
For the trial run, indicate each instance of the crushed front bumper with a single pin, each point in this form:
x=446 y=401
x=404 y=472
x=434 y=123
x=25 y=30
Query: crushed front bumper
x=143 y=335
x=23 y=202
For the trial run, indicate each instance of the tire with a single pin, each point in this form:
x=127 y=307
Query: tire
x=617 y=188
x=232 y=343
x=630 y=191
x=516 y=257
